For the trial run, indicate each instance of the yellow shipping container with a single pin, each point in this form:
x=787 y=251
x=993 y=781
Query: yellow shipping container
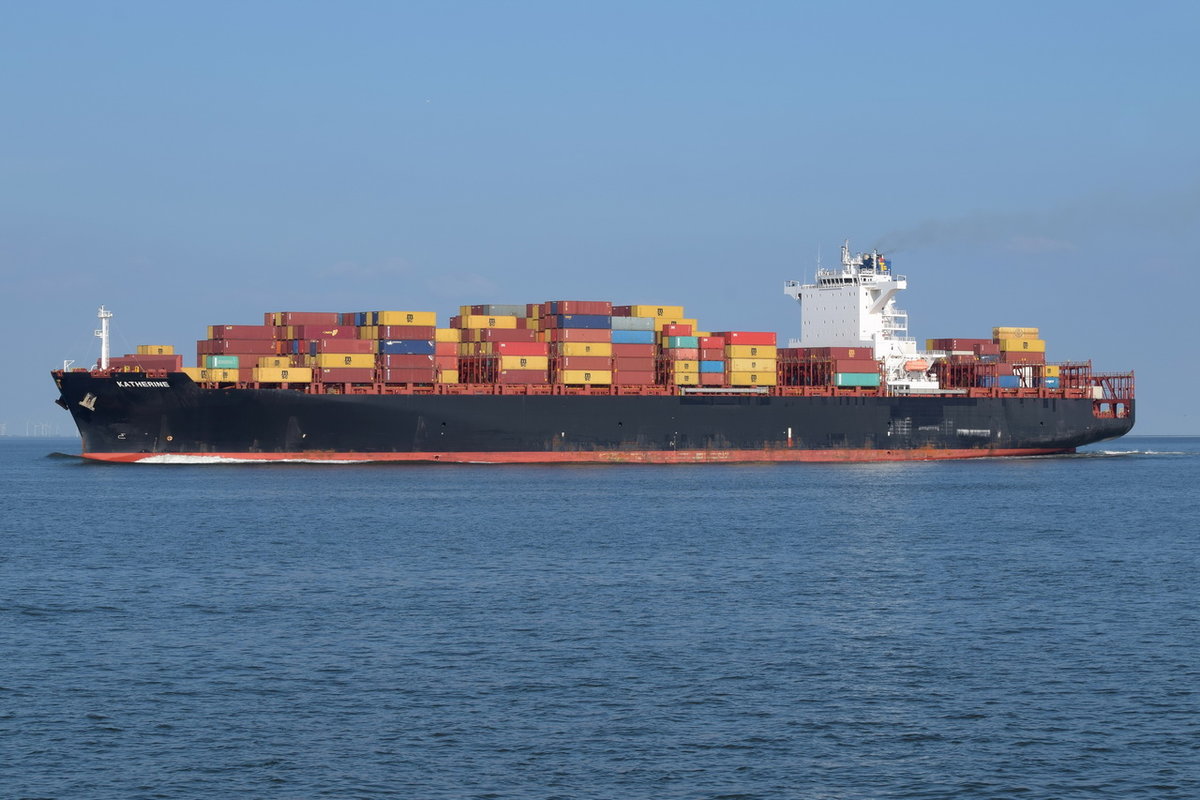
x=1022 y=345
x=750 y=351
x=685 y=378
x=680 y=367
x=283 y=374
x=335 y=360
x=367 y=332
x=446 y=335
x=1052 y=371
x=484 y=321
x=219 y=375
x=596 y=376
x=662 y=322
x=751 y=365
x=424 y=318
x=751 y=378
x=193 y=373
x=1014 y=333
x=274 y=361
x=524 y=362
x=448 y=376
x=584 y=349
x=658 y=312
x=155 y=350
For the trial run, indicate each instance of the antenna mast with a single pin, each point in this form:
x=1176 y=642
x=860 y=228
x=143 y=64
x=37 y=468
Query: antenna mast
x=104 y=316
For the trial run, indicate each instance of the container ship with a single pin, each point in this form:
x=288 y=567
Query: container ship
x=589 y=381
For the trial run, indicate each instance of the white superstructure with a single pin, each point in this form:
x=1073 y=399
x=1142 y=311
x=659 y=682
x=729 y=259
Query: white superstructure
x=855 y=306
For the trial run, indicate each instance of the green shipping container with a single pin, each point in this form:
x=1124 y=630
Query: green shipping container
x=221 y=362
x=672 y=342
x=856 y=379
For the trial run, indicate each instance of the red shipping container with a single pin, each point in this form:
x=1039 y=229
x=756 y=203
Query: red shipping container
x=987 y=349
x=218 y=347
x=324 y=332
x=500 y=335
x=681 y=353
x=446 y=362
x=747 y=337
x=622 y=311
x=601 y=308
x=1023 y=358
x=583 y=362
x=410 y=375
x=521 y=348
x=677 y=330
x=393 y=361
x=344 y=374
x=243 y=331
x=326 y=318
x=345 y=346
x=246 y=374
x=172 y=363
x=633 y=378
x=406 y=332
x=712 y=353
x=511 y=376
x=627 y=364
x=578 y=335
x=712 y=342
x=712 y=379
x=445 y=348
x=862 y=365
x=633 y=350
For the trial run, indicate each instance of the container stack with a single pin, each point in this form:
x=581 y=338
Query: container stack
x=406 y=345
x=635 y=343
x=147 y=357
x=750 y=358
x=234 y=350
x=843 y=367
x=499 y=347
x=713 y=362
x=679 y=354
x=1014 y=358
x=1020 y=345
x=580 y=336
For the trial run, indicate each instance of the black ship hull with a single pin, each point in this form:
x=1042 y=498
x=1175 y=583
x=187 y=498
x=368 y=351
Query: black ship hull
x=130 y=417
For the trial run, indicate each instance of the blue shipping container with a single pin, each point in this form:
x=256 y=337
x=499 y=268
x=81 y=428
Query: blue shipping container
x=407 y=347
x=1050 y=383
x=712 y=366
x=1004 y=382
x=633 y=337
x=590 y=321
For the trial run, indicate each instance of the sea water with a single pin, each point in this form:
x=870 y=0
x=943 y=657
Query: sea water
x=989 y=629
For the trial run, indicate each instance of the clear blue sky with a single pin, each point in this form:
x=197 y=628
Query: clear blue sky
x=1025 y=163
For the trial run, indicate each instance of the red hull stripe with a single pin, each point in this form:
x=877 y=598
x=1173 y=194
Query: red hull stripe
x=591 y=457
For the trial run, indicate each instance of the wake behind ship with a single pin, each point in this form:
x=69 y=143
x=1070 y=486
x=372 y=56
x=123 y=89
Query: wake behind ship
x=587 y=381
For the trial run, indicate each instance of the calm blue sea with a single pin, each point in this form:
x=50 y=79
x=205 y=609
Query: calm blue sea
x=987 y=629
